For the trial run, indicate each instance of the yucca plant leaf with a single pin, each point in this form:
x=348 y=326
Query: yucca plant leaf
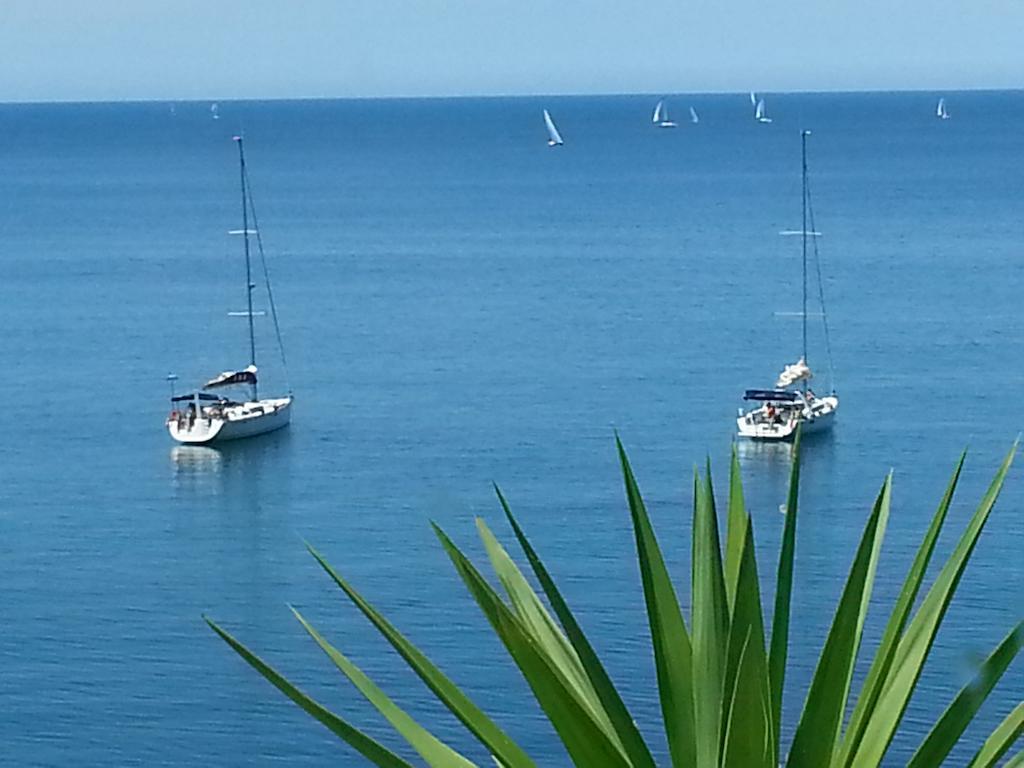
x=475 y=720
x=368 y=747
x=671 y=642
x=709 y=621
x=583 y=737
x=783 y=595
x=629 y=736
x=541 y=626
x=747 y=737
x=882 y=662
x=915 y=644
x=736 y=528
x=1000 y=741
x=433 y=750
x=961 y=711
x=818 y=730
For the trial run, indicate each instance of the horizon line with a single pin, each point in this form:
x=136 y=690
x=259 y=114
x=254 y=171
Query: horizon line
x=482 y=96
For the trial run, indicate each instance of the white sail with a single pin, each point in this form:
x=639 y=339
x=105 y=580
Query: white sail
x=791 y=374
x=940 y=110
x=554 y=137
x=657 y=112
x=759 y=110
x=214 y=110
x=693 y=116
x=753 y=99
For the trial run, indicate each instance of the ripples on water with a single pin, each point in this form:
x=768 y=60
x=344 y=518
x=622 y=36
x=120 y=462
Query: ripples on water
x=462 y=305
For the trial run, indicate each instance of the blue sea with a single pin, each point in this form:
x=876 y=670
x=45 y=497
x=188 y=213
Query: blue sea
x=462 y=305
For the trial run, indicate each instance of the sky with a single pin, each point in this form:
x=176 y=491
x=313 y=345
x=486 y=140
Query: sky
x=100 y=50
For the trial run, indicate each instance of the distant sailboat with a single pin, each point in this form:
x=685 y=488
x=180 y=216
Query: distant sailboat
x=215 y=111
x=554 y=137
x=759 y=112
x=693 y=116
x=661 y=118
x=940 y=110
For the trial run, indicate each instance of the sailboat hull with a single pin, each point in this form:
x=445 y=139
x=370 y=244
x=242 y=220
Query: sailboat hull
x=813 y=418
x=234 y=423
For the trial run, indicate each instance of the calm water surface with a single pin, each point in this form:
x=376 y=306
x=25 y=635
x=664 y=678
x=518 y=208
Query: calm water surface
x=462 y=305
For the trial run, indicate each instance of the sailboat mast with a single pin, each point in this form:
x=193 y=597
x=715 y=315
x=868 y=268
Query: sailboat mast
x=248 y=262
x=803 y=236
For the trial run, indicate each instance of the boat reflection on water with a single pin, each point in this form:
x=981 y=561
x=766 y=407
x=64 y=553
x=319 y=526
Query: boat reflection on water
x=196 y=459
x=232 y=468
x=764 y=453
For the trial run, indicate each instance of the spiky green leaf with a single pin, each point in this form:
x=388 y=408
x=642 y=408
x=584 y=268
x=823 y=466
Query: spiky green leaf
x=672 y=650
x=475 y=720
x=709 y=622
x=736 y=524
x=882 y=662
x=369 y=748
x=818 y=730
x=1000 y=740
x=783 y=596
x=629 y=736
x=915 y=644
x=747 y=738
x=583 y=738
x=430 y=748
x=947 y=731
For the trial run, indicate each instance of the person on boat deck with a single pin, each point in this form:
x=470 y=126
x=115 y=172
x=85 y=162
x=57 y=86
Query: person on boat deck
x=769 y=412
x=810 y=394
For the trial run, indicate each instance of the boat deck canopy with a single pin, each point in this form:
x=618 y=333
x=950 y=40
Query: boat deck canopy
x=770 y=394
x=194 y=395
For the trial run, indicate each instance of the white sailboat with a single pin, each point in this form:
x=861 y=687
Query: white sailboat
x=554 y=137
x=693 y=116
x=759 y=113
x=792 y=404
x=940 y=110
x=207 y=415
x=215 y=111
x=660 y=117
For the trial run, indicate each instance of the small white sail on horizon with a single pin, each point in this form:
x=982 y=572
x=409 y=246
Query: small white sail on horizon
x=215 y=111
x=693 y=116
x=660 y=117
x=759 y=112
x=940 y=109
x=554 y=137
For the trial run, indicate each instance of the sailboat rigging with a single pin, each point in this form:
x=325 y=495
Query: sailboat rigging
x=205 y=416
x=940 y=110
x=786 y=407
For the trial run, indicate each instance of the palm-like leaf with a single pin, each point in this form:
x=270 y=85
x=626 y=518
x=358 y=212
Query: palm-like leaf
x=720 y=687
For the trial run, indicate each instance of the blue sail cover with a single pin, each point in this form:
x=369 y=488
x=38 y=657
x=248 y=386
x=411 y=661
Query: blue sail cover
x=228 y=378
x=770 y=394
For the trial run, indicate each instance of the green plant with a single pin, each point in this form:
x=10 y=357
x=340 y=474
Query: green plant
x=720 y=681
